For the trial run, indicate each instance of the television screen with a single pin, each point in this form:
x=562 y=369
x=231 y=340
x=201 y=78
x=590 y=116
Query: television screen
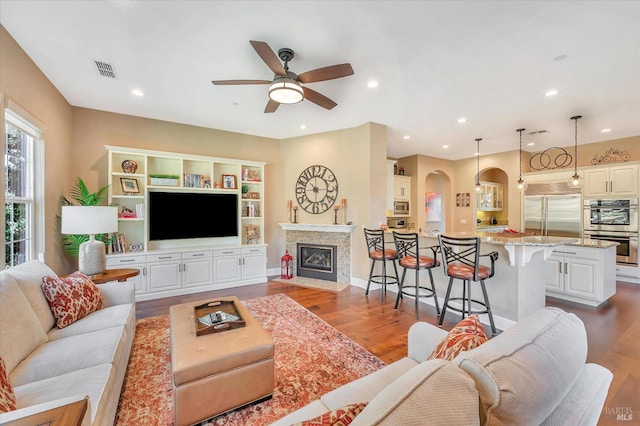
x=179 y=215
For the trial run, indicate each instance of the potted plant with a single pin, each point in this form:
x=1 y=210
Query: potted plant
x=245 y=190
x=163 y=179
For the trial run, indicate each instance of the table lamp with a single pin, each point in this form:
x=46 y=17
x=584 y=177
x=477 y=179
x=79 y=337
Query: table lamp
x=91 y=220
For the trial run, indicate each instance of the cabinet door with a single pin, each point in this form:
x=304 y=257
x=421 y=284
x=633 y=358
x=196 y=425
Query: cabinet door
x=581 y=278
x=553 y=274
x=227 y=269
x=254 y=263
x=140 y=280
x=596 y=183
x=402 y=187
x=197 y=272
x=164 y=276
x=623 y=181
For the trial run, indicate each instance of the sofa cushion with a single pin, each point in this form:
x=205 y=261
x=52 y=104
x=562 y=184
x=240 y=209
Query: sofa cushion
x=71 y=298
x=342 y=416
x=25 y=333
x=113 y=316
x=466 y=335
x=62 y=356
x=29 y=275
x=97 y=382
x=524 y=373
x=435 y=392
x=7 y=397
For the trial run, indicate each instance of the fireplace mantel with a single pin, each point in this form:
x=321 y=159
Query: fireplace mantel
x=316 y=227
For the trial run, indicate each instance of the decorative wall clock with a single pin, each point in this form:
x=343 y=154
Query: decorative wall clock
x=316 y=189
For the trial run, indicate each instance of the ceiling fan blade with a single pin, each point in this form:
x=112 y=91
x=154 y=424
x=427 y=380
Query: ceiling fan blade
x=326 y=73
x=269 y=57
x=272 y=106
x=229 y=82
x=318 y=98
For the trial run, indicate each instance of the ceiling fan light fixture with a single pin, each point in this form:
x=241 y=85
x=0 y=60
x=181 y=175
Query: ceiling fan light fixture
x=286 y=91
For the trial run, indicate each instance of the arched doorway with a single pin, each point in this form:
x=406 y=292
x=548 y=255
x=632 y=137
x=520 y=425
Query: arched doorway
x=492 y=207
x=437 y=199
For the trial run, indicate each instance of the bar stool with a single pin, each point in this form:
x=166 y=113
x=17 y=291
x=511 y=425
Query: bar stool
x=409 y=257
x=378 y=253
x=461 y=260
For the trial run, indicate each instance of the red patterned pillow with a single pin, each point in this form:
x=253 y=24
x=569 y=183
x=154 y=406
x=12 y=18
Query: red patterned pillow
x=7 y=397
x=466 y=335
x=342 y=416
x=72 y=297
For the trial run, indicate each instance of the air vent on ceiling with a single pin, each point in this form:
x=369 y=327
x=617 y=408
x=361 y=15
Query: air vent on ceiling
x=106 y=70
x=538 y=132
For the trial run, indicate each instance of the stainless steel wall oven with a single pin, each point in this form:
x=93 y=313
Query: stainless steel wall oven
x=614 y=220
x=626 y=251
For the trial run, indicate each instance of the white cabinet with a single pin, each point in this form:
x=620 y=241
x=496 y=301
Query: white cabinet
x=402 y=188
x=197 y=268
x=581 y=274
x=611 y=181
x=164 y=272
x=491 y=196
x=134 y=261
x=239 y=264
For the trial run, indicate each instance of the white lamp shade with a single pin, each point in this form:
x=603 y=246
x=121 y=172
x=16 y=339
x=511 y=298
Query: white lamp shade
x=286 y=91
x=89 y=220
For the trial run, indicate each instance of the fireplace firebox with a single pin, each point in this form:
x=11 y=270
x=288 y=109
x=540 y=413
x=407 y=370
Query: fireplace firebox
x=317 y=261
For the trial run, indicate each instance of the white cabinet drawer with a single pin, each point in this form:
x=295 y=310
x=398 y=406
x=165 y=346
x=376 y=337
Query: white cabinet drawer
x=227 y=252
x=121 y=261
x=197 y=254
x=163 y=257
x=254 y=250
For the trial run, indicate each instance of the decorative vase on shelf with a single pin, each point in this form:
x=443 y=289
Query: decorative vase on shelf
x=129 y=166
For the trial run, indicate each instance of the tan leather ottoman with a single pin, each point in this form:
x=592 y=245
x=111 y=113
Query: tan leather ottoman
x=217 y=372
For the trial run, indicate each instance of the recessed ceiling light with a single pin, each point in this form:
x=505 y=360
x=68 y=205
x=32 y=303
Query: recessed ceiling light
x=462 y=120
x=552 y=92
x=302 y=126
x=372 y=84
x=605 y=130
x=445 y=146
x=406 y=137
x=531 y=144
x=137 y=92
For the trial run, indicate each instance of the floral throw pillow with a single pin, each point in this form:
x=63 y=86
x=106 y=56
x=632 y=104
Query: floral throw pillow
x=71 y=298
x=466 y=335
x=7 y=397
x=342 y=416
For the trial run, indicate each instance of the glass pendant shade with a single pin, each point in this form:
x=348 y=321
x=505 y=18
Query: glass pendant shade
x=576 y=180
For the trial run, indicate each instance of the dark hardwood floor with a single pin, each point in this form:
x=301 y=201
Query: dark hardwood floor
x=613 y=329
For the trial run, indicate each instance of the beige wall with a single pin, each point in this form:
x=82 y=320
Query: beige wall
x=22 y=83
x=357 y=156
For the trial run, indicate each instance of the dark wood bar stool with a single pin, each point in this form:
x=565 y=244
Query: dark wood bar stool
x=461 y=260
x=378 y=253
x=409 y=257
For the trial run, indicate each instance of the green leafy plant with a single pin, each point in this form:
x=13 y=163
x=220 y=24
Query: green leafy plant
x=82 y=197
x=245 y=189
x=161 y=176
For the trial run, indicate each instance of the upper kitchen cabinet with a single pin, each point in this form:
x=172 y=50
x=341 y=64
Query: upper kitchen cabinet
x=401 y=187
x=613 y=181
x=491 y=196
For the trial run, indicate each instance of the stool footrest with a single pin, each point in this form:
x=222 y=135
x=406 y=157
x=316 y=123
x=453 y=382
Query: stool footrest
x=464 y=301
x=383 y=279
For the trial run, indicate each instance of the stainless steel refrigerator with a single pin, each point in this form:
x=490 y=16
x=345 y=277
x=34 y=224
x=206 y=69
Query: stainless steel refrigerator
x=553 y=210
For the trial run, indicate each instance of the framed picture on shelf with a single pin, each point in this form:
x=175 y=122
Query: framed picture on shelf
x=254 y=195
x=229 y=181
x=253 y=175
x=129 y=186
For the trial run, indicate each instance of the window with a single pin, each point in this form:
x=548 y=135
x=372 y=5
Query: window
x=22 y=233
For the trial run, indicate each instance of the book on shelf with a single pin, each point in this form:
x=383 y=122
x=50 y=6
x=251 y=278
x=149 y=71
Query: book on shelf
x=140 y=210
x=118 y=243
x=196 y=180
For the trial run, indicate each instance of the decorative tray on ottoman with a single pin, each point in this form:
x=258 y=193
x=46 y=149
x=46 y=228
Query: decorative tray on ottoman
x=217 y=316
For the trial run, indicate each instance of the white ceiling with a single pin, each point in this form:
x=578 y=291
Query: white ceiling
x=436 y=61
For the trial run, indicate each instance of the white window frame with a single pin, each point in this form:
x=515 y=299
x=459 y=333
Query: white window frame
x=19 y=118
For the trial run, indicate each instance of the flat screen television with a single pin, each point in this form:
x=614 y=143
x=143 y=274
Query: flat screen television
x=182 y=215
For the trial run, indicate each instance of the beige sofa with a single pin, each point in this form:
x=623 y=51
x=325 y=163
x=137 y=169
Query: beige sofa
x=532 y=373
x=49 y=367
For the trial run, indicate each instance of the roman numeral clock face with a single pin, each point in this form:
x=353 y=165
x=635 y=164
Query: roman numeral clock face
x=316 y=189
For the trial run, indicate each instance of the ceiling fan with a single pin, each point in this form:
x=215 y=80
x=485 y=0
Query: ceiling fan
x=285 y=87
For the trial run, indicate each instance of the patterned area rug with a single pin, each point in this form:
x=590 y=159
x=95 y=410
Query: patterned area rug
x=314 y=283
x=311 y=358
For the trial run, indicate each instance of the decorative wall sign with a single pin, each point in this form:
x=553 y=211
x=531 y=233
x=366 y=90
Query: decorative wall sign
x=463 y=199
x=549 y=159
x=613 y=155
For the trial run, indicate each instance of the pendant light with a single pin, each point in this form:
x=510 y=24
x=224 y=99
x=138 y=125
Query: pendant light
x=575 y=181
x=522 y=185
x=478 y=187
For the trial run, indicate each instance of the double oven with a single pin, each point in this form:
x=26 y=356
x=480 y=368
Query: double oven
x=614 y=220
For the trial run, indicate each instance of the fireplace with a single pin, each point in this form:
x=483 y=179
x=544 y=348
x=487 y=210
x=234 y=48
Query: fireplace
x=317 y=261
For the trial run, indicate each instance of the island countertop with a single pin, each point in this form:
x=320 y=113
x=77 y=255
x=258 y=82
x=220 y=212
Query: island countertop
x=509 y=239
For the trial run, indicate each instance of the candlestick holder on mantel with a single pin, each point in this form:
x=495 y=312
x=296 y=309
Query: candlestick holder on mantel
x=335 y=214
x=343 y=205
x=295 y=214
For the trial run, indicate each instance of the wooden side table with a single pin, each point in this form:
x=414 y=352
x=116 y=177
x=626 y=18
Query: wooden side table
x=120 y=275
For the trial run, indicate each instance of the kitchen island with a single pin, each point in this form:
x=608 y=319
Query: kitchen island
x=522 y=273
